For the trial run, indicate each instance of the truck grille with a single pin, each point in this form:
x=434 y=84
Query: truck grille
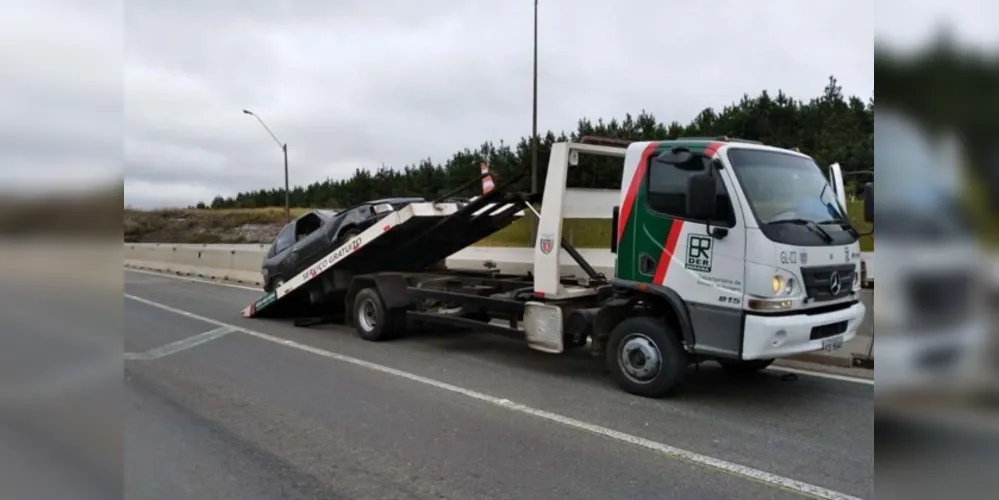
x=819 y=279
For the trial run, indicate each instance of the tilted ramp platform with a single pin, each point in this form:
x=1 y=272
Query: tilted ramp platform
x=408 y=240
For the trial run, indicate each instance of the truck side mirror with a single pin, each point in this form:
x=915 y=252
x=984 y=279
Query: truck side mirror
x=869 y=202
x=701 y=193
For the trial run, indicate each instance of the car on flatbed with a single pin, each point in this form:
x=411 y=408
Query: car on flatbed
x=308 y=238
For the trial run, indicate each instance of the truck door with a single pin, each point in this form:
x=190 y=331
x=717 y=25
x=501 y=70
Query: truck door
x=702 y=261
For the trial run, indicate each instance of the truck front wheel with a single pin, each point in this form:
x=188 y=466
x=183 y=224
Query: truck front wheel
x=645 y=357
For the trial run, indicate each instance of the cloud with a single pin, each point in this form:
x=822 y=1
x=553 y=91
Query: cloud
x=60 y=110
x=159 y=86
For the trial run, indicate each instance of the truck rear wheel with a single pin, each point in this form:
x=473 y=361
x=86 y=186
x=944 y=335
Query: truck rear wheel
x=645 y=357
x=372 y=320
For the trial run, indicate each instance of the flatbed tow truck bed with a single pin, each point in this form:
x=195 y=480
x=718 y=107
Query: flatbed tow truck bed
x=411 y=240
x=390 y=278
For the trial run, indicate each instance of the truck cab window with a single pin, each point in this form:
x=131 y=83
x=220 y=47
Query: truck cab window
x=667 y=191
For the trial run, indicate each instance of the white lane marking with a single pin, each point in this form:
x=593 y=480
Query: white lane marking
x=665 y=449
x=831 y=376
x=195 y=280
x=180 y=345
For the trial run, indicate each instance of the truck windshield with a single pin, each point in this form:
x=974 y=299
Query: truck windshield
x=784 y=187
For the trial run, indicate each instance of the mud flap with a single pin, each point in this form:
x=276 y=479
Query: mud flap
x=543 y=327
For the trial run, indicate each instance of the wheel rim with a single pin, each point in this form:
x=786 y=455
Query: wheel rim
x=366 y=315
x=640 y=358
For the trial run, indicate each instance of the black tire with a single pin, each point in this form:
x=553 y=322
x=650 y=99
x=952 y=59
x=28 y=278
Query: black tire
x=570 y=343
x=372 y=320
x=744 y=366
x=633 y=344
x=346 y=236
x=273 y=284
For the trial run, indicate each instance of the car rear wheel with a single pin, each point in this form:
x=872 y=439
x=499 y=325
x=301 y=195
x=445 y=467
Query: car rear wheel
x=273 y=284
x=347 y=236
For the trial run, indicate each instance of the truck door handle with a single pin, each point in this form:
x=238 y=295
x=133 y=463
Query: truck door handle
x=646 y=264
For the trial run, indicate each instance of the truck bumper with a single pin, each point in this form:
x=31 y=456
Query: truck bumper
x=766 y=337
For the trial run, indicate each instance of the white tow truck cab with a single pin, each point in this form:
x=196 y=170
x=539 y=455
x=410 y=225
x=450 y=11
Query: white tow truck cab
x=725 y=250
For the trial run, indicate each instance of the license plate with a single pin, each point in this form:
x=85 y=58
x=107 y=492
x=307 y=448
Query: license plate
x=832 y=343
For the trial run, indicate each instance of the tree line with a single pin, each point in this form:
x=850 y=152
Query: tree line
x=830 y=127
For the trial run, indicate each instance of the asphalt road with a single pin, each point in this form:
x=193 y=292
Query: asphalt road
x=285 y=412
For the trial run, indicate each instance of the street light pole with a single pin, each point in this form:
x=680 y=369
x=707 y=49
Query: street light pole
x=534 y=128
x=284 y=149
x=287 y=193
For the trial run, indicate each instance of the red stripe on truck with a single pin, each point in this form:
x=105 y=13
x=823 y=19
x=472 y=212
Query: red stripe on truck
x=667 y=256
x=712 y=148
x=636 y=181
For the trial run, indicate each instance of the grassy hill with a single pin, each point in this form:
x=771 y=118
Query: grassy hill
x=260 y=225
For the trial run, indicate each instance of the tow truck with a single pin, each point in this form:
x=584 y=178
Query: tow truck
x=726 y=250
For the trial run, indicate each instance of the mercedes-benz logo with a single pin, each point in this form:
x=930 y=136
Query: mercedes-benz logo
x=834 y=284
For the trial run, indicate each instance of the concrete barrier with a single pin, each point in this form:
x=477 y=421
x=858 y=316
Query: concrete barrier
x=219 y=262
x=242 y=263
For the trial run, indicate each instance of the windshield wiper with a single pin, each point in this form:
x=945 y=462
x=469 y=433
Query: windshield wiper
x=843 y=223
x=811 y=225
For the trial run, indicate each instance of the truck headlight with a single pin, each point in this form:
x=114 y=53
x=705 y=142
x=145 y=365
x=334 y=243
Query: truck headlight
x=778 y=284
x=784 y=286
x=790 y=286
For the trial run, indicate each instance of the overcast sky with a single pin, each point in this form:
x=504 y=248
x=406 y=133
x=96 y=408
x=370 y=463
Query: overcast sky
x=353 y=83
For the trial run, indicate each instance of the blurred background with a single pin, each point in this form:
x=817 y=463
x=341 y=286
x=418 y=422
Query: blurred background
x=61 y=195
x=936 y=138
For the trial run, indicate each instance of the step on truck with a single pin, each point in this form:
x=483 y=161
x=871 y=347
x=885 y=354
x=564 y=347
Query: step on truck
x=725 y=250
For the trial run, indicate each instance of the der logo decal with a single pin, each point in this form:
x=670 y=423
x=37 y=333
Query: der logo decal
x=699 y=248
